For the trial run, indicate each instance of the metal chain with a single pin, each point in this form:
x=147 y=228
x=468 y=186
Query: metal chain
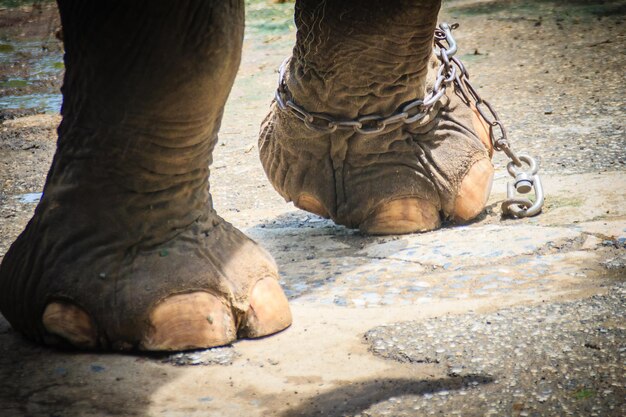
x=371 y=124
x=524 y=180
x=450 y=71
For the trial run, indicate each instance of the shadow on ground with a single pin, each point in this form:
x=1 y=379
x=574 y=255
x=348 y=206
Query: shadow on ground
x=359 y=396
x=39 y=381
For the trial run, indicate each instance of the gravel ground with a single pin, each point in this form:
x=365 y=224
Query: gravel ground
x=545 y=360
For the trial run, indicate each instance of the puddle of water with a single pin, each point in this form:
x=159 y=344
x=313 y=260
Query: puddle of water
x=49 y=103
x=29 y=198
x=6 y=48
x=33 y=70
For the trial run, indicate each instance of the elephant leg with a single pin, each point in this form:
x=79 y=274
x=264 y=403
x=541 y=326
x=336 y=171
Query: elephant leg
x=353 y=59
x=125 y=250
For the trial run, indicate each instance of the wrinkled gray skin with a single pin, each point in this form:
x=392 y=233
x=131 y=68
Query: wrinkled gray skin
x=126 y=218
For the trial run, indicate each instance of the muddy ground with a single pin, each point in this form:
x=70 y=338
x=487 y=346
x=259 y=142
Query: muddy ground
x=377 y=318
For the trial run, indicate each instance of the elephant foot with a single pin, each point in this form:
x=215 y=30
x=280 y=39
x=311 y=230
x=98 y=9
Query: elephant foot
x=124 y=251
x=403 y=180
x=398 y=178
x=206 y=287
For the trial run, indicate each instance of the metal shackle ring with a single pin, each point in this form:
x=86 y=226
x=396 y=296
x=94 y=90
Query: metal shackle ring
x=512 y=204
x=529 y=160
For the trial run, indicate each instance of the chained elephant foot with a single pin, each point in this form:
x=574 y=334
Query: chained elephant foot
x=348 y=138
x=396 y=182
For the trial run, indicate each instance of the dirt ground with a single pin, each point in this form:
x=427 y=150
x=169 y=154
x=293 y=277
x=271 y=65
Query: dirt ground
x=555 y=72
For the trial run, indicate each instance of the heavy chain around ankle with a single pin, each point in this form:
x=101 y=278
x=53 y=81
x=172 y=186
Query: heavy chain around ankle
x=451 y=71
x=371 y=124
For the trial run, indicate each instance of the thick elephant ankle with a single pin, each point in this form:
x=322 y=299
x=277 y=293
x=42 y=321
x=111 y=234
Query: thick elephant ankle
x=124 y=250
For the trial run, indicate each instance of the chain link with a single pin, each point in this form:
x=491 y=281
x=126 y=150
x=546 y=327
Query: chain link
x=451 y=71
x=409 y=113
x=524 y=180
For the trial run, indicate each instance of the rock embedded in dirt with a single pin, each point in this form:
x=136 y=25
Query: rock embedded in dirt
x=214 y=356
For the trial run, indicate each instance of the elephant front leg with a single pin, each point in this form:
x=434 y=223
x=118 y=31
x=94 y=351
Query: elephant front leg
x=125 y=250
x=353 y=60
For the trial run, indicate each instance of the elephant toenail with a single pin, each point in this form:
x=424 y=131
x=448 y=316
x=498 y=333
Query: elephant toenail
x=404 y=215
x=311 y=204
x=189 y=321
x=269 y=310
x=71 y=323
